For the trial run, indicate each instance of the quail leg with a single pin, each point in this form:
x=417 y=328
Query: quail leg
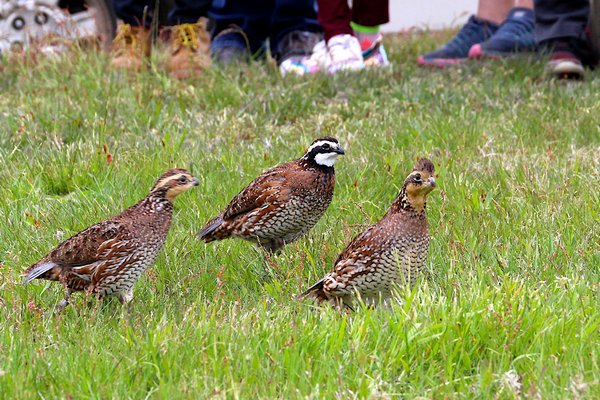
x=272 y=246
x=64 y=302
x=126 y=296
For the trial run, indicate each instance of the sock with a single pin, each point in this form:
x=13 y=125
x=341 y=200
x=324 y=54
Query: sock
x=365 y=33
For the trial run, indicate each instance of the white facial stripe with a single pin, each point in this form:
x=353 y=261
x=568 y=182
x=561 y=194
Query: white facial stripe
x=164 y=181
x=326 y=159
x=322 y=142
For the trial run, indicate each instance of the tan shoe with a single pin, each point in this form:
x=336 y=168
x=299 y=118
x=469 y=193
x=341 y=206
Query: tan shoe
x=131 y=48
x=190 y=50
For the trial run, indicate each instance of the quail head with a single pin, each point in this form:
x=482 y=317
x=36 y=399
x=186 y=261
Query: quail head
x=283 y=203
x=389 y=253
x=108 y=257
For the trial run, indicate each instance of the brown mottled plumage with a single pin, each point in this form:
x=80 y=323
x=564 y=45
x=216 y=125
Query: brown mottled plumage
x=108 y=257
x=283 y=203
x=389 y=253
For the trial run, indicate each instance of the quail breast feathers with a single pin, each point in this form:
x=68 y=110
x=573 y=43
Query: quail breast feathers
x=108 y=257
x=283 y=203
x=389 y=253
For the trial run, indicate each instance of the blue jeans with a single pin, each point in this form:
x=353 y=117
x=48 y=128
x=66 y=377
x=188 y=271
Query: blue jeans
x=265 y=19
x=183 y=12
x=561 y=19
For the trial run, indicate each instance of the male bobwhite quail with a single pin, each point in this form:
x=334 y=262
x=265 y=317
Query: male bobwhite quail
x=283 y=203
x=108 y=258
x=388 y=253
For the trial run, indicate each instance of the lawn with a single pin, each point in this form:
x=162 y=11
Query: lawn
x=509 y=304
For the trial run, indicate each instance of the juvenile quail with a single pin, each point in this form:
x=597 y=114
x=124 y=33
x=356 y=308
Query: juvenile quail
x=389 y=253
x=108 y=257
x=283 y=203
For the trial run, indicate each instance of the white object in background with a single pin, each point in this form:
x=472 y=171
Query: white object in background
x=430 y=14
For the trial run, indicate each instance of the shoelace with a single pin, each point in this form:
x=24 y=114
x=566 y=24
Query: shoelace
x=463 y=38
x=186 y=36
x=516 y=27
x=124 y=39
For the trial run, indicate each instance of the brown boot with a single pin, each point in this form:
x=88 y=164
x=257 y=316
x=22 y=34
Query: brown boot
x=190 y=50
x=131 y=48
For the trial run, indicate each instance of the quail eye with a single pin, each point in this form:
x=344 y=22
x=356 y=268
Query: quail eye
x=417 y=177
x=182 y=179
x=326 y=146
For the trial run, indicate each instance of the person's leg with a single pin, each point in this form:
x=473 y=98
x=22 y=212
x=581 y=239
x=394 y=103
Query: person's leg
x=132 y=43
x=190 y=41
x=560 y=28
x=524 y=4
x=292 y=15
x=294 y=30
x=478 y=28
x=371 y=13
x=132 y=11
x=241 y=27
x=367 y=16
x=335 y=17
x=494 y=11
x=343 y=34
x=515 y=35
x=188 y=11
x=557 y=19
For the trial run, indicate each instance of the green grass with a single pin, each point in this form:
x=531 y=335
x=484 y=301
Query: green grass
x=508 y=307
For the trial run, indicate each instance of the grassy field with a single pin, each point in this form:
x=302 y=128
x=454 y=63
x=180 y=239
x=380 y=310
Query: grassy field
x=508 y=308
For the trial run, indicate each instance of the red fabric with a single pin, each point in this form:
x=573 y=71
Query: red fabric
x=335 y=15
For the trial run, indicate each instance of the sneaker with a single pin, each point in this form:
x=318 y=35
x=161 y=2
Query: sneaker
x=296 y=45
x=190 y=50
x=514 y=36
x=345 y=54
x=373 y=53
x=131 y=48
x=230 y=46
x=316 y=62
x=564 y=64
x=457 y=49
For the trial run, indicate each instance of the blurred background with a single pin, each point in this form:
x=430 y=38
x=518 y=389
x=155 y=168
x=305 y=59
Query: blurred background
x=432 y=14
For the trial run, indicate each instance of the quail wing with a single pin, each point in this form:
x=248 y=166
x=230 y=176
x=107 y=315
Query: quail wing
x=262 y=190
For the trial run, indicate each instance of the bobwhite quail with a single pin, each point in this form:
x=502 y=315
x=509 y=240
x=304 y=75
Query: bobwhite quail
x=108 y=258
x=283 y=203
x=389 y=253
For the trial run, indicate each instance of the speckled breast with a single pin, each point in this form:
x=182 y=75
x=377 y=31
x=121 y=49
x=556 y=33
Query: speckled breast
x=295 y=217
x=127 y=270
x=406 y=260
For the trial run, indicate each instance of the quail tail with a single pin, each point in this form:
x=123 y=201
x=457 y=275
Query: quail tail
x=209 y=229
x=39 y=271
x=315 y=292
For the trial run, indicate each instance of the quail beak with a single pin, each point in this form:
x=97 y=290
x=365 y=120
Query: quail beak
x=431 y=181
x=195 y=182
x=340 y=150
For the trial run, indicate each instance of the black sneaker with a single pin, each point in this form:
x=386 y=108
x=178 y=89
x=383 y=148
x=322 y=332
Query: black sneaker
x=295 y=45
x=230 y=46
